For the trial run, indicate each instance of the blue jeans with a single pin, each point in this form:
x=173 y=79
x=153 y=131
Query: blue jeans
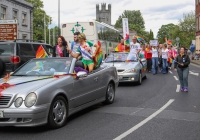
x=154 y=65
x=164 y=65
x=183 y=76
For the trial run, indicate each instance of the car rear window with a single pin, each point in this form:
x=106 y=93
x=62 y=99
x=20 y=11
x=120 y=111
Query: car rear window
x=6 y=49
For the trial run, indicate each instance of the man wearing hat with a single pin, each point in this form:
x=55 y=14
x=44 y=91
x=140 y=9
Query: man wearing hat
x=134 y=45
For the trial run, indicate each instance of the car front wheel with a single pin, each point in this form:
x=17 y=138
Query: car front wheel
x=110 y=94
x=58 y=113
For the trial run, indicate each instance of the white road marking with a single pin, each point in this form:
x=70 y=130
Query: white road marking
x=178 y=88
x=170 y=72
x=193 y=73
x=144 y=121
x=176 y=78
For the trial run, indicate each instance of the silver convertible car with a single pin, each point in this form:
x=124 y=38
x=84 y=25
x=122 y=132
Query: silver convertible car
x=129 y=67
x=47 y=91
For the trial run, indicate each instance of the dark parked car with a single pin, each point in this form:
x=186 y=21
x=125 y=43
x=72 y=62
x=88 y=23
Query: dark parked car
x=15 y=53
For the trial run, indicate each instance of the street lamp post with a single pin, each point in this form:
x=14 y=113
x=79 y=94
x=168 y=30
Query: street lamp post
x=58 y=17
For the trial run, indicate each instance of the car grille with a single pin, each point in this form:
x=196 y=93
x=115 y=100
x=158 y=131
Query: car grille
x=121 y=70
x=4 y=100
x=4 y=119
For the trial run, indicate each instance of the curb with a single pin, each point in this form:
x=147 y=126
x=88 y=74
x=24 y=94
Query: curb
x=195 y=63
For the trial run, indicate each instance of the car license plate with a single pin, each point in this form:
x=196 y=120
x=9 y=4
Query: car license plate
x=1 y=114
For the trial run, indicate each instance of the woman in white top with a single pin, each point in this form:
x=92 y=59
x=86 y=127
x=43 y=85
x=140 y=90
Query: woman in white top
x=164 y=59
x=154 y=60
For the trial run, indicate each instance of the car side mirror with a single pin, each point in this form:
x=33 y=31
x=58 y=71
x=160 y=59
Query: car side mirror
x=82 y=74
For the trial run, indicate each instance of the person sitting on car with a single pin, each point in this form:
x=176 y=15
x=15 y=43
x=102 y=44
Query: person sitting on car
x=86 y=51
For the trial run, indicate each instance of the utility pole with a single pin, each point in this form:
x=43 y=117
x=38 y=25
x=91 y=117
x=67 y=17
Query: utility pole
x=44 y=29
x=58 y=17
x=49 y=29
x=54 y=36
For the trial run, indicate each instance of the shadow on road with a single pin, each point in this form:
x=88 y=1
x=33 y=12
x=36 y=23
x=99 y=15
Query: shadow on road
x=44 y=128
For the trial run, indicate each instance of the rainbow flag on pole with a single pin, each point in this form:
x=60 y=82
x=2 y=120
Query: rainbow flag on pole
x=41 y=53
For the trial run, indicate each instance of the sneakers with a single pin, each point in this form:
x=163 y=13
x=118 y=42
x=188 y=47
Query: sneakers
x=186 y=89
x=182 y=89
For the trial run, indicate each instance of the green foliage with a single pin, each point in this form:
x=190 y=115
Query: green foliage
x=185 y=30
x=151 y=35
x=38 y=19
x=135 y=20
x=164 y=31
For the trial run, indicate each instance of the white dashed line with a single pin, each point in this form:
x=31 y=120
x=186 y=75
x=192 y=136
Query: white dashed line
x=178 y=88
x=193 y=73
x=170 y=72
x=144 y=121
x=176 y=78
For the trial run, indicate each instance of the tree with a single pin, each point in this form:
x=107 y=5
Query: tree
x=187 y=27
x=151 y=35
x=38 y=19
x=135 y=20
x=164 y=31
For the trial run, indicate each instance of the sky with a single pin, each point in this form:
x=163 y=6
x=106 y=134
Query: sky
x=155 y=12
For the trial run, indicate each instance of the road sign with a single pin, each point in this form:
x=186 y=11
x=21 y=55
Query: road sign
x=8 y=30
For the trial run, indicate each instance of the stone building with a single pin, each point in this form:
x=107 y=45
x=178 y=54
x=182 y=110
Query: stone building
x=197 y=25
x=22 y=12
x=103 y=14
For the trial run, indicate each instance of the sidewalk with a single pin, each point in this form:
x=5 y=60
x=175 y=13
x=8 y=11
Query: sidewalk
x=197 y=62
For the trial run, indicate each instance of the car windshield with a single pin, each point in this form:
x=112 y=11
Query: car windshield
x=6 y=49
x=44 y=67
x=122 y=57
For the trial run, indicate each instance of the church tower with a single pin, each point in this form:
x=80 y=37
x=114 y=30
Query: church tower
x=103 y=15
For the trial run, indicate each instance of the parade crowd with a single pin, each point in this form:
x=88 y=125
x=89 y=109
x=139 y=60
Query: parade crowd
x=161 y=57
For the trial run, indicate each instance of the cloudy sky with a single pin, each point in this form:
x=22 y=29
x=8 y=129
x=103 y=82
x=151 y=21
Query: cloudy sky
x=155 y=12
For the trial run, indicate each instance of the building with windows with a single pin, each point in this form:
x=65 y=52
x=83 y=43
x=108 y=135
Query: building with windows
x=103 y=14
x=21 y=11
x=197 y=25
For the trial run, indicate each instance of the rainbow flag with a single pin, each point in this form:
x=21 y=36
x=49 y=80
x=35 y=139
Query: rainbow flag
x=170 y=60
x=41 y=53
x=99 y=56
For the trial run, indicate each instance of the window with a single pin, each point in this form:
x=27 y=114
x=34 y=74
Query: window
x=15 y=14
x=49 y=48
x=26 y=50
x=23 y=18
x=3 y=13
x=24 y=37
x=6 y=49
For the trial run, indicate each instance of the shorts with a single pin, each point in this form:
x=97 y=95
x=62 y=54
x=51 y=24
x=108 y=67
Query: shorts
x=87 y=62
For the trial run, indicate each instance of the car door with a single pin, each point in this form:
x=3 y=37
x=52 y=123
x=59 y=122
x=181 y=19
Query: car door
x=85 y=89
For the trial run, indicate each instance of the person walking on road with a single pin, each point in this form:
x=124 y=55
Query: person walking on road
x=192 y=50
x=160 y=57
x=155 y=60
x=148 y=56
x=182 y=62
x=164 y=59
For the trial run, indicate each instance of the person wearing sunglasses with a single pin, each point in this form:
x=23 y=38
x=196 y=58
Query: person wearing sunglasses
x=85 y=51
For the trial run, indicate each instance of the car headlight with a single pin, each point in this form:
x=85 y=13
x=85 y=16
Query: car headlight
x=18 y=102
x=130 y=71
x=30 y=99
